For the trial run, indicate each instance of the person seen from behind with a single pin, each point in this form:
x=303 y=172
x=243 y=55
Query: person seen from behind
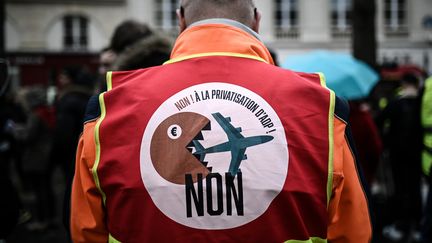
x=106 y=58
x=217 y=144
x=76 y=85
x=76 y=88
x=36 y=137
x=400 y=122
x=366 y=137
x=137 y=46
x=133 y=45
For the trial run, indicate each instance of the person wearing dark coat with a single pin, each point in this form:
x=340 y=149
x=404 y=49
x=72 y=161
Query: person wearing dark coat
x=10 y=203
x=77 y=88
x=403 y=140
x=366 y=137
x=70 y=108
x=36 y=137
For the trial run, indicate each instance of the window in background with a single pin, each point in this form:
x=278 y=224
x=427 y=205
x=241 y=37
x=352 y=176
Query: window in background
x=166 y=18
x=287 y=18
x=75 y=32
x=395 y=18
x=341 y=18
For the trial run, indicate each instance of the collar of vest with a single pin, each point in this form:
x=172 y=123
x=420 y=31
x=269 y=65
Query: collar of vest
x=228 y=22
x=219 y=37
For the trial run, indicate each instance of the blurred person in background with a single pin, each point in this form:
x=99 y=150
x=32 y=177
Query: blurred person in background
x=10 y=203
x=366 y=137
x=137 y=46
x=127 y=33
x=106 y=59
x=152 y=50
x=133 y=45
x=400 y=123
x=76 y=87
x=426 y=118
x=36 y=137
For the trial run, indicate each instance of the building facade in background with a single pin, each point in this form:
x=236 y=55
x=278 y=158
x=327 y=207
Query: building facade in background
x=37 y=28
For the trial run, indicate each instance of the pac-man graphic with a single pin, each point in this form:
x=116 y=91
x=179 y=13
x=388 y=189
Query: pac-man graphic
x=169 y=153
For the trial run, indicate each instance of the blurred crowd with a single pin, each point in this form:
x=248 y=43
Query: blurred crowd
x=40 y=127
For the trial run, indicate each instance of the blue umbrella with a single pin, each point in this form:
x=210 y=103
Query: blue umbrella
x=348 y=77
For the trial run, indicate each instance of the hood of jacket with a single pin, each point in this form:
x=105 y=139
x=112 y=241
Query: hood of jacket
x=147 y=52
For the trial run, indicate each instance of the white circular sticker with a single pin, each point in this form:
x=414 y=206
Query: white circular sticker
x=174 y=131
x=214 y=156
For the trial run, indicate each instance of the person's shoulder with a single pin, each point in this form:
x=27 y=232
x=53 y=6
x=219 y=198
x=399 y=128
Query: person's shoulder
x=93 y=110
x=342 y=109
x=316 y=79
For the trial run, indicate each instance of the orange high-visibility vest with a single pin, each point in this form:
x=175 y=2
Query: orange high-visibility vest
x=215 y=149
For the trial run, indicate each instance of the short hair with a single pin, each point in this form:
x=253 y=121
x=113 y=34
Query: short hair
x=79 y=75
x=410 y=78
x=127 y=33
x=239 y=10
x=147 y=52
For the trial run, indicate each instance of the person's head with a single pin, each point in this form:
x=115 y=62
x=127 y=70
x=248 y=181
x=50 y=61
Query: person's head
x=68 y=75
x=76 y=75
x=106 y=58
x=35 y=96
x=243 y=11
x=127 y=33
x=151 y=51
x=410 y=80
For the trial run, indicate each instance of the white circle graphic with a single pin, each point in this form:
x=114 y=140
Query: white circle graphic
x=244 y=149
x=174 y=131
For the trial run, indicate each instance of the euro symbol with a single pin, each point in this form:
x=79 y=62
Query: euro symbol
x=174 y=131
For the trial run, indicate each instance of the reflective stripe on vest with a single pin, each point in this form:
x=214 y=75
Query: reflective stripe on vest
x=426 y=162
x=426 y=118
x=145 y=115
x=427 y=153
x=426 y=110
x=311 y=240
x=111 y=239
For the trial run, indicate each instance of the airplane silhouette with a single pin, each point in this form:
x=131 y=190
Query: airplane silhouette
x=236 y=143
